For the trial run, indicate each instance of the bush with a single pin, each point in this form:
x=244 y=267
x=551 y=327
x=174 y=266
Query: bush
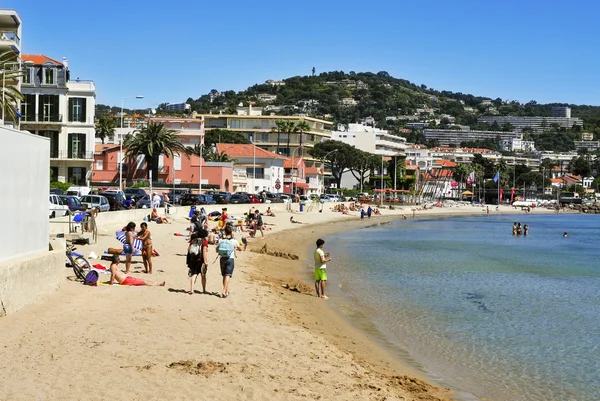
x=140 y=184
x=61 y=185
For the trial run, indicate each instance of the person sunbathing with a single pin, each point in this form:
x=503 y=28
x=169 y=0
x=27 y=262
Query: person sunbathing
x=269 y=212
x=117 y=275
x=295 y=221
x=157 y=219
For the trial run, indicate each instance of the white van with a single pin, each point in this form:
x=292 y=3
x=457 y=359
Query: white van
x=56 y=207
x=78 y=191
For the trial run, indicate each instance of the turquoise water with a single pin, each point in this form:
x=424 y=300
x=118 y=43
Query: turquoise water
x=498 y=316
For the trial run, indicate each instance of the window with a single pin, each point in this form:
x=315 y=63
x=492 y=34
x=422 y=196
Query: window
x=76 y=146
x=77 y=109
x=264 y=137
x=49 y=105
x=49 y=75
x=76 y=175
x=177 y=162
x=53 y=135
x=99 y=164
x=27 y=76
x=260 y=172
x=28 y=108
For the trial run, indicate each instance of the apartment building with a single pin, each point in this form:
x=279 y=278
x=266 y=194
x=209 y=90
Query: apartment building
x=561 y=111
x=589 y=145
x=370 y=139
x=537 y=124
x=62 y=109
x=178 y=107
x=451 y=137
x=517 y=145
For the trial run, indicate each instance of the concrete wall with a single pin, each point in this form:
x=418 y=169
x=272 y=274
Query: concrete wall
x=29 y=279
x=25 y=166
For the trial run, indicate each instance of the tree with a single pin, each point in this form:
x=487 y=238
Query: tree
x=283 y=127
x=580 y=166
x=152 y=141
x=9 y=75
x=364 y=162
x=301 y=127
x=460 y=172
x=338 y=154
x=105 y=127
x=219 y=135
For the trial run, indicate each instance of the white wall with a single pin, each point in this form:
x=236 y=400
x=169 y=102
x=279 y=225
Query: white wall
x=25 y=166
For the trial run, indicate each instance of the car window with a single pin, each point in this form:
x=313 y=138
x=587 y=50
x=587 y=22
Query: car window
x=104 y=201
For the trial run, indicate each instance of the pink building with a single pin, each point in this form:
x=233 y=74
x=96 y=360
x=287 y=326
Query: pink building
x=180 y=170
x=294 y=178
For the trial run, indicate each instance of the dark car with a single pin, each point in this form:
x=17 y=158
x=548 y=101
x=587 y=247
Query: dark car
x=176 y=195
x=135 y=194
x=197 y=199
x=239 y=198
x=221 y=199
x=56 y=191
x=115 y=200
x=273 y=197
x=146 y=202
x=72 y=202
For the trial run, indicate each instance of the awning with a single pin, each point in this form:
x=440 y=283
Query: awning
x=300 y=184
x=467 y=193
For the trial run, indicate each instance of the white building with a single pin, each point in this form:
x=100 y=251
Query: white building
x=348 y=101
x=255 y=169
x=266 y=97
x=418 y=156
x=453 y=137
x=561 y=111
x=517 y=145
x=62 y=109
x=589 y=145
x=178 y=107
x=10 y=41
x=537 y=124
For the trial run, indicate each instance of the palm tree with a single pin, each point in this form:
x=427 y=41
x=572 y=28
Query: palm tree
x=223 y=158
x=152 y=141
x=285 y=127
x=10 y=75
x=105 y=127
x=301 y=127
x=460 y=172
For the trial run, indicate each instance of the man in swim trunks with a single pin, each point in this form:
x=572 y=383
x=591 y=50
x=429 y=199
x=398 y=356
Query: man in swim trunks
x=117 y=275
x=321 y=258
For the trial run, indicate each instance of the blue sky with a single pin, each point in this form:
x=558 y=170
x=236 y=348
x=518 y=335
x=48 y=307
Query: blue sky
x=169 y=51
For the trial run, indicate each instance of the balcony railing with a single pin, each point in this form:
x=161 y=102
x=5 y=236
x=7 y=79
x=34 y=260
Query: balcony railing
x=9 y=36
x=258 y=176
x=42 y=118
x=65 y=154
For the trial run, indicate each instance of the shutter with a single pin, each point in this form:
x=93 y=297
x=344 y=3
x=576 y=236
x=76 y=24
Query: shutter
x=70 y=109
x=82 y=141
x=70 y=147
x=83 y=117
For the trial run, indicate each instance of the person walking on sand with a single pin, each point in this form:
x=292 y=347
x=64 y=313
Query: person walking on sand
x=362 y=213
x=321 y=258
x=226 y=250
x=369 y=211
x=117 y=275
x=197 y=262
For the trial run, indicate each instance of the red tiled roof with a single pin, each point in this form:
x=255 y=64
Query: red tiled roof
x=288 y=162
x=101 y=147
x=246 y=150
x=556 y=180
x=39 y=59
x=446 y=163
x=313 y=171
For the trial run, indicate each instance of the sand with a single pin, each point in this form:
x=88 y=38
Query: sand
x=262 y=342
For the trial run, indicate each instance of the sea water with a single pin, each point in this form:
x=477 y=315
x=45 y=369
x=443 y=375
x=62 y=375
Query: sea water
x=498 y=316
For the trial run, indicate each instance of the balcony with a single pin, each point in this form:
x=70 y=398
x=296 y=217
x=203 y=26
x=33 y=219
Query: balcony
x=41 y=118
x=10 y=39
x=66 y=155
x=163 y=170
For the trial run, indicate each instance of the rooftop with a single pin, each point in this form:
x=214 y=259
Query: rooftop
x=40 y=59
x=246 y=150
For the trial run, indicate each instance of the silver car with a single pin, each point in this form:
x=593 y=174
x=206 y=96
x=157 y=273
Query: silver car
x=98 y=201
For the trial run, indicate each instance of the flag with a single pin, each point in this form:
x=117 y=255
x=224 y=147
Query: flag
x=471 y=178
x=497 y=177
x=500 y=194
x=512 y=195
x=18 y=114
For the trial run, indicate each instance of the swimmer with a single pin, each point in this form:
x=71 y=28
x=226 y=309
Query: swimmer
x=565 y=234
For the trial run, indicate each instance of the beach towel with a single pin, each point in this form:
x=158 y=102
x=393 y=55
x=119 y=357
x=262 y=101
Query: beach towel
x=121 y=236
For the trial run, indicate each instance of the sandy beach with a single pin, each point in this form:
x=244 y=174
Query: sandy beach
x=264 y=341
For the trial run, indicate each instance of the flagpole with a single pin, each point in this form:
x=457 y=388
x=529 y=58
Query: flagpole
x=498 y=189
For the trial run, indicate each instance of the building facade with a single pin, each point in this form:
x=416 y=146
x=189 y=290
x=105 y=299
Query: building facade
x=537 y=124
x=256 y=169
x=452 y=137
x=369 y=139
x=10 y=42
x=561 y=111
x=62 y=109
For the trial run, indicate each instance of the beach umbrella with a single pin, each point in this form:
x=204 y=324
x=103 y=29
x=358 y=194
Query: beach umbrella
x=467 y=193
x=122 y=236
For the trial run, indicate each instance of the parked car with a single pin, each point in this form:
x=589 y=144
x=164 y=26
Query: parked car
x=115 y=199
x=284 y=198
x=135 y=194
x=113 y=191
x=56 y=207
x=197 y=199
x=56 y=191
x=97 y=201
x=239 y=198
x=73 y=203
x=176 y=195
x=79 y=191
x=273 y=197
x=146 y=202
x=326 y=198
x=254 y=198
x=220 y=199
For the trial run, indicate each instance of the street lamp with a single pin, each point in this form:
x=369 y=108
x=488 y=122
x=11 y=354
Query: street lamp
x=325 y=157
x=4 y=82
x=381 y=172
x=121 y=141
x=292 y=170
x=253 y=162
